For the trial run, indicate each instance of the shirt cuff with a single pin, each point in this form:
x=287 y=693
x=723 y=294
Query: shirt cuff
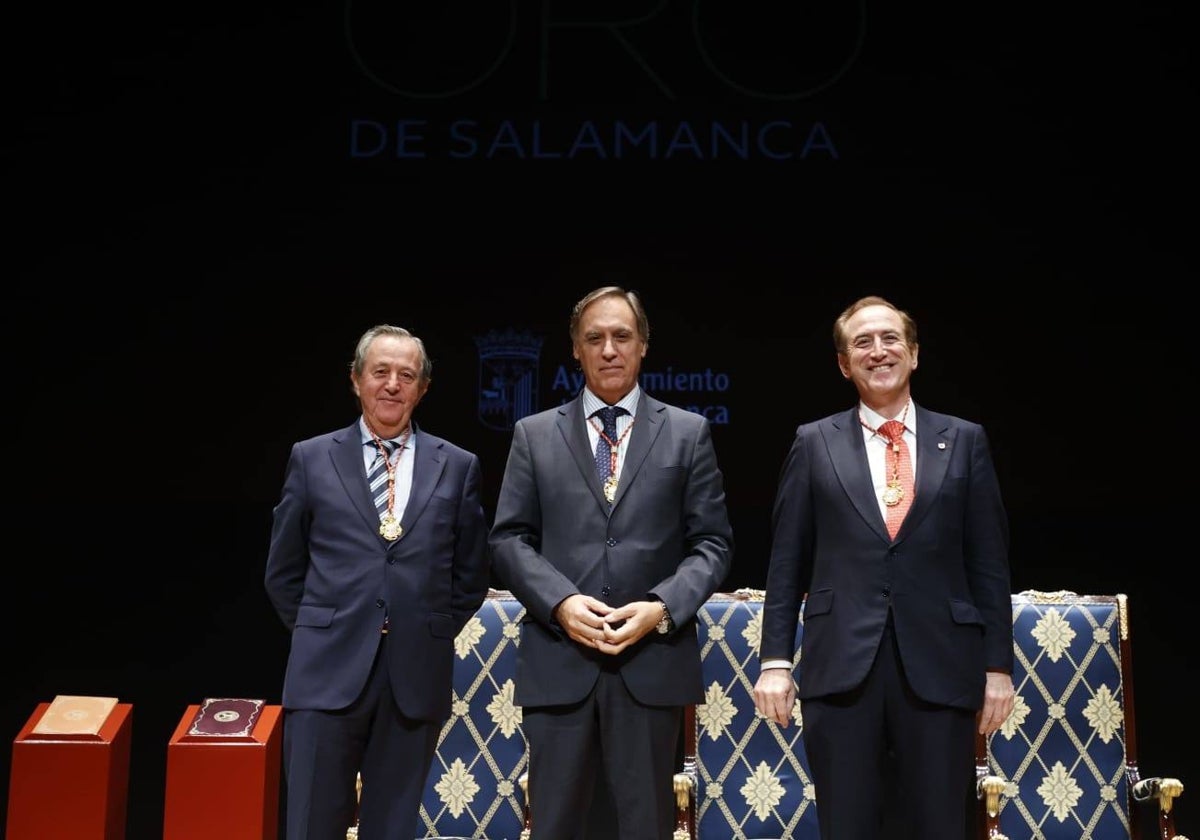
x=770 y=664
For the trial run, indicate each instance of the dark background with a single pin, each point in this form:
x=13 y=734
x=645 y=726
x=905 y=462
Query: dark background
x=195 y=250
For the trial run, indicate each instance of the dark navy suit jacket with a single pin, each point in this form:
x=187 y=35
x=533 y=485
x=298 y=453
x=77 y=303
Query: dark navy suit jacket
x=945 y=577
x=332 y=577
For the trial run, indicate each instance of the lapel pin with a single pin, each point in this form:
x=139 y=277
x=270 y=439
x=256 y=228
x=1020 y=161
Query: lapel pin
x=941 y=446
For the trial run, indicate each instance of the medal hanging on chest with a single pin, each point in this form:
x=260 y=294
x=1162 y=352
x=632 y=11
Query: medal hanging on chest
x=389 y=528
x=610 y=483
x=610 y=488
x=893 y=494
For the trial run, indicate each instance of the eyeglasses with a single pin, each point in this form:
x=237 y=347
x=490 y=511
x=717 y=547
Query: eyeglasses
x=867 y=342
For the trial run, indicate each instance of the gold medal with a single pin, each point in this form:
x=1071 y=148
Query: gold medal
x=892 y=495
x=610 y=483
x=610 y=488
x=389 y=528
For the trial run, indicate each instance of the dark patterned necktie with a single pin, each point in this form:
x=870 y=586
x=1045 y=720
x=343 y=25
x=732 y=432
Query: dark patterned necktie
x=606 y=455
x=608 y=419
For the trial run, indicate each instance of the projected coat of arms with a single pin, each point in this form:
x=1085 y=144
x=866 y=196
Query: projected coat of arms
x=508 y=377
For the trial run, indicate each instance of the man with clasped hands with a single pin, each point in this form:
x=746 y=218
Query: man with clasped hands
x=612 y=553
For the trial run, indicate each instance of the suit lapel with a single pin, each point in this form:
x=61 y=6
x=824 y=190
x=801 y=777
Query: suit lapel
x=570 y=426
x=935 y=441
x=428 y=464
x=848 y=454
x=348 y=463
x=648 y=425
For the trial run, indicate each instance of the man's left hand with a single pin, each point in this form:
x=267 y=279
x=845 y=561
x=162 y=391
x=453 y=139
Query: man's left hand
x=625 y=625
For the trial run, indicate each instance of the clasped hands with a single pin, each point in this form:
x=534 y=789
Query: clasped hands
x=594 y=624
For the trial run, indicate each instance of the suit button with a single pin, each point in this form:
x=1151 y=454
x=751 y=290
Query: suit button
x=610 y=542
x=391 y=560
x=605 y=591
x=887 y=592
x=379 y=603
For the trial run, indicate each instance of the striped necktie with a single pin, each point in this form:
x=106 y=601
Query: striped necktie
x=377 y=476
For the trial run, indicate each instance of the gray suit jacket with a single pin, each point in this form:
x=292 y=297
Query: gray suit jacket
x=667 y=535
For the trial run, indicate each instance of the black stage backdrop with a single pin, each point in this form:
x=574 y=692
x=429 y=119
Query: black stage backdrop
x=208 y=205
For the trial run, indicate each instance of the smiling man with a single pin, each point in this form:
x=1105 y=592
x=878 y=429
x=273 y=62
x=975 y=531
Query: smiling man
x=889 y=531
x=378 y=558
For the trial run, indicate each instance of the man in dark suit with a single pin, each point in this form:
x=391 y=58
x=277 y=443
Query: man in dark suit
x=611 y=553
x=907 y=646
x=374 y=579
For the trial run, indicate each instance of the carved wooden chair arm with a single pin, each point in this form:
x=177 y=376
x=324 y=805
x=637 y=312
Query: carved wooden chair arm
x=989 y=788
x=1164 y=789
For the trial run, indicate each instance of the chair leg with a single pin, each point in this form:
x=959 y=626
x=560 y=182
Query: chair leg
x=526 y=823
x=684 y=828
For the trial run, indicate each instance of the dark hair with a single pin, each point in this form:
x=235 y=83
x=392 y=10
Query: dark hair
x=839 y=326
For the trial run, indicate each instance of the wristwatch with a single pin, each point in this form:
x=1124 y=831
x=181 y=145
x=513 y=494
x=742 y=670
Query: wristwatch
x=664 y=623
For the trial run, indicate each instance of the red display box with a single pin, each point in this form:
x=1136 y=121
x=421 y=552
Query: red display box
x=226 y=787
x=68 y=787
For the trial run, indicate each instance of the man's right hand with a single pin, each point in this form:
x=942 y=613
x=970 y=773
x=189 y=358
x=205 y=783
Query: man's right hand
x=582 y=617
x=775 y=695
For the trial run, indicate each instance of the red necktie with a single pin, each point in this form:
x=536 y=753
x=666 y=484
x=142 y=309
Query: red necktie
x=898 y=468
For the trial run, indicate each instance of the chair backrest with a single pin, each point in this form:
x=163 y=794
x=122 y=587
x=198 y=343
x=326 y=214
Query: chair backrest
x=1064 y=764
x=752 y=777
x=1065 y=752
x=474 y=787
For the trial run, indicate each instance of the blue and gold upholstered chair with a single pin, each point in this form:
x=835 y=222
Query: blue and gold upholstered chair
x=476 y=785
x=1064 y=764
x=748 y=777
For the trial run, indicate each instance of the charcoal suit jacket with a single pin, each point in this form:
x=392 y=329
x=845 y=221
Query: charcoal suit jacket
x=667 y=536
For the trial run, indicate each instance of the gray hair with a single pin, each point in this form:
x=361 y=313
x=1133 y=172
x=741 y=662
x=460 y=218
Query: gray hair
x=364 y=344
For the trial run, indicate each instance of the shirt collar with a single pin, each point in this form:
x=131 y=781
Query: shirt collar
x=874 y=419
x=365 y=434
x=592 y=403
